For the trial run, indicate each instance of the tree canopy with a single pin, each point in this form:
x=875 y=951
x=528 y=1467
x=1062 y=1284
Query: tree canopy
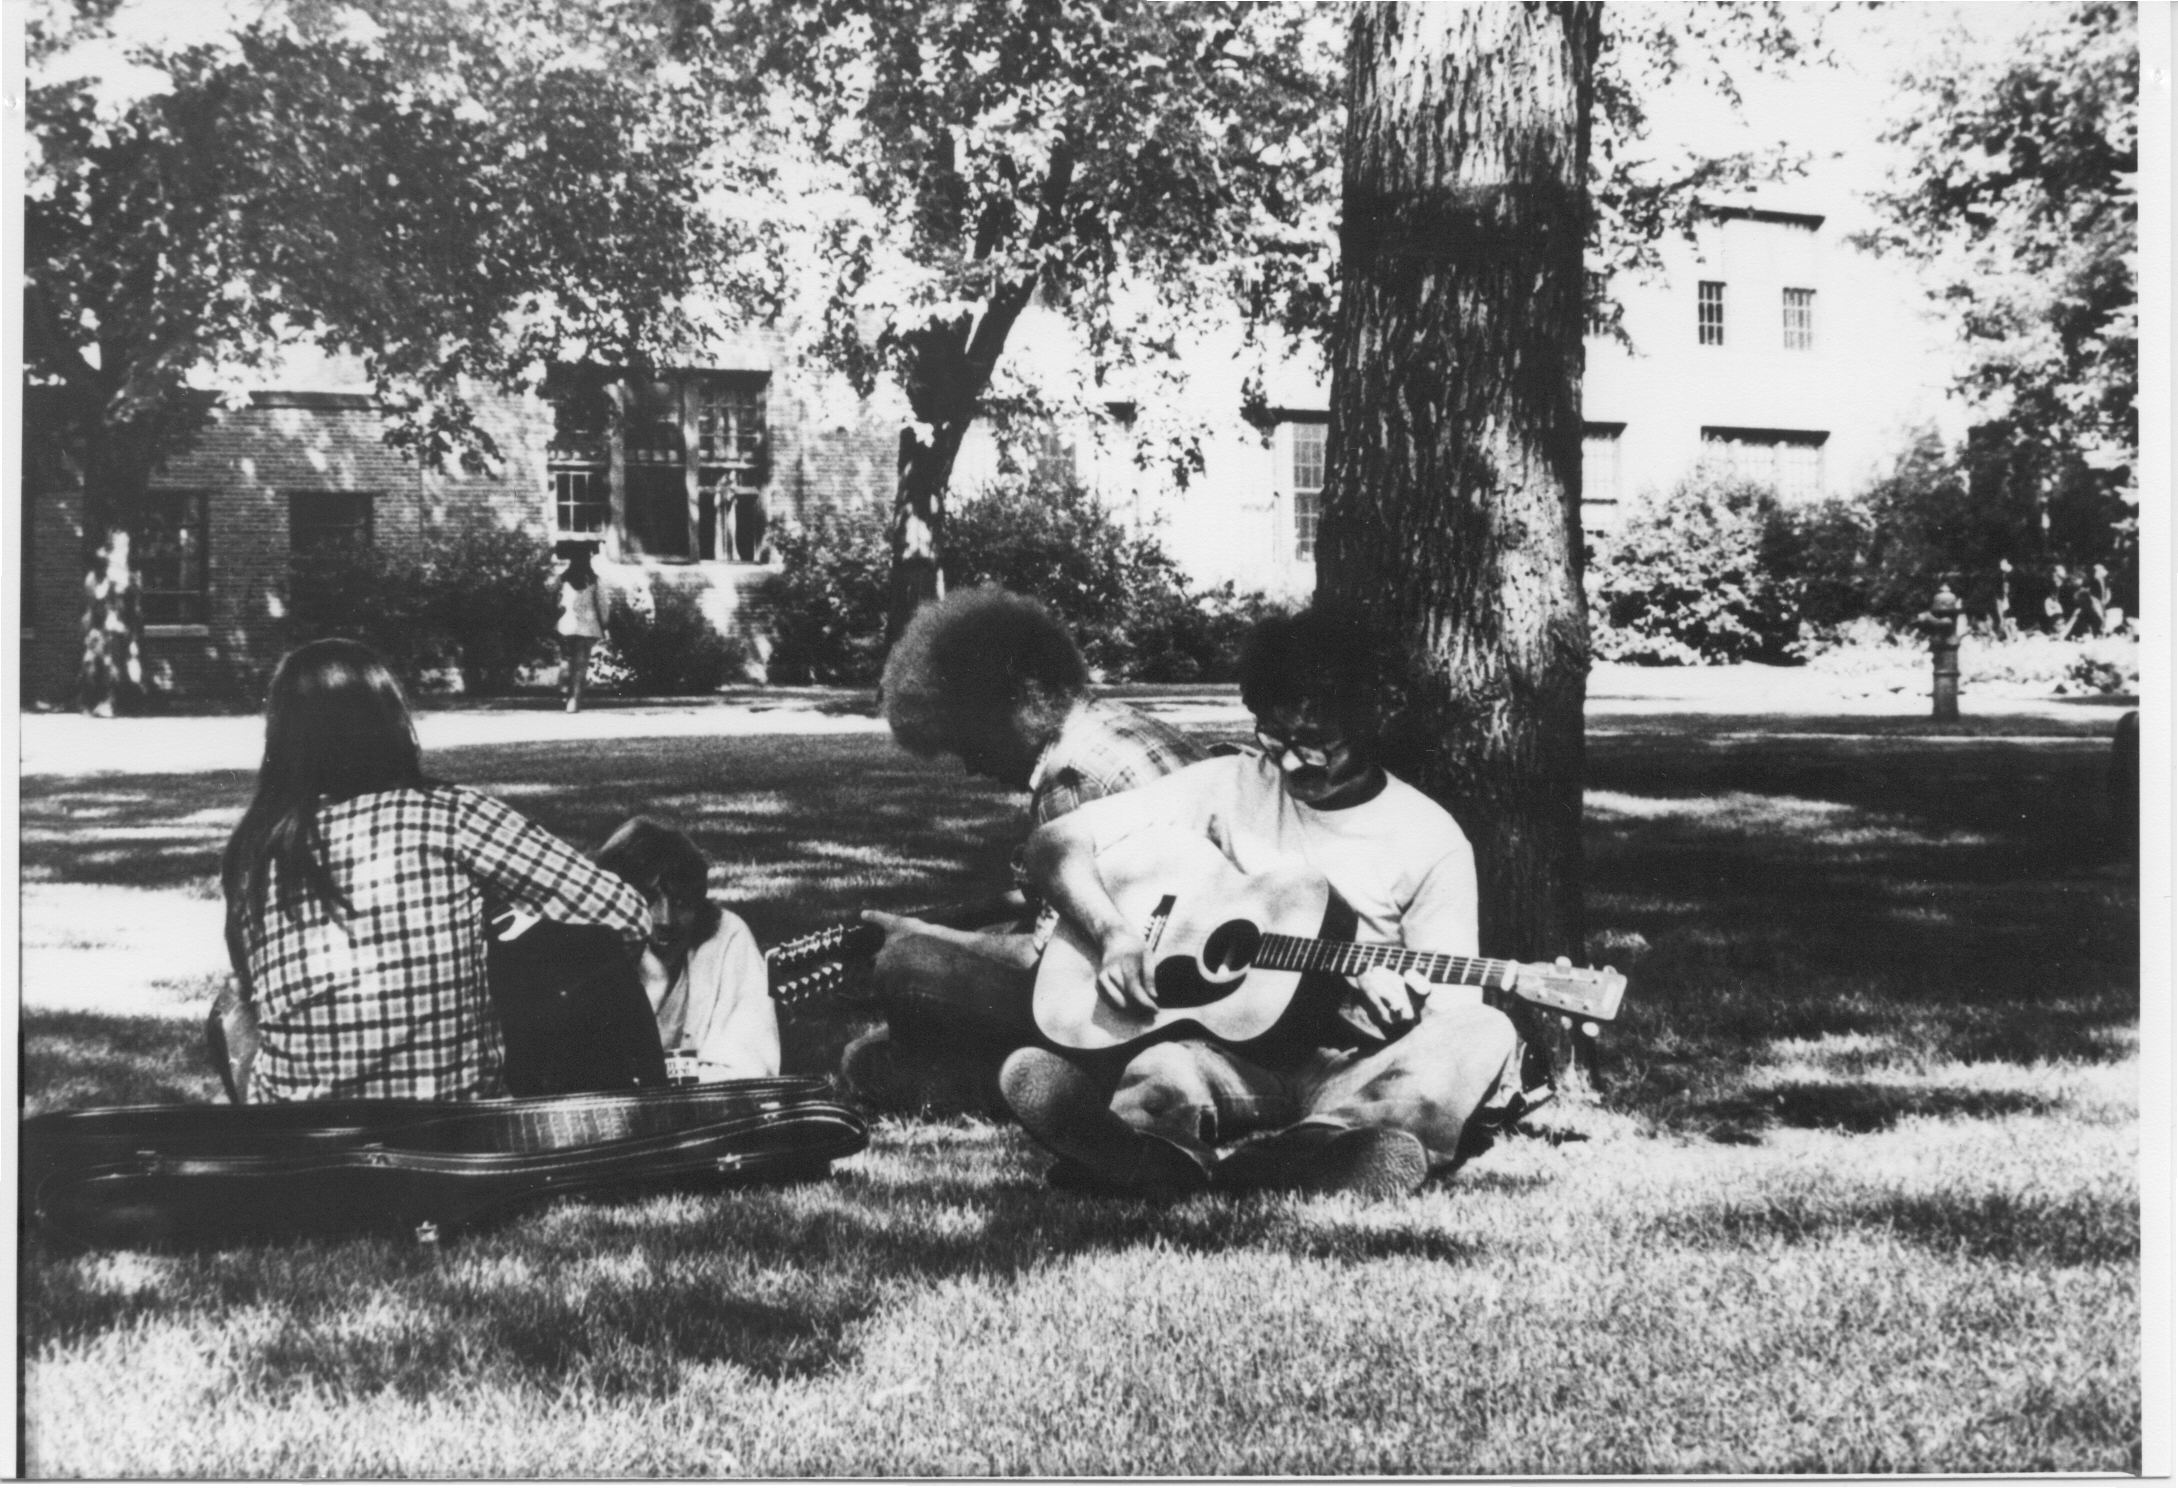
x=454 y=192
x=2018 y=195
x=1126 y=165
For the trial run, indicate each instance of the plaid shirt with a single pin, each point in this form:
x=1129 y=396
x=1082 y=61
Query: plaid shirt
x=1104 y=748
x=389 y=1001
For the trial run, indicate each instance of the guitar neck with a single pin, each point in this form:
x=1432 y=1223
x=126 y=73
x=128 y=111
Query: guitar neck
x=1348 y=958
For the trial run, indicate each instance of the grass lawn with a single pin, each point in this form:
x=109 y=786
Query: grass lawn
x=1858 y=1194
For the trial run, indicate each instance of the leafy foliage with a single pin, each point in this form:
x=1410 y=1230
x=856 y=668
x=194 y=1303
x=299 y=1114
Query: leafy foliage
x=456 y=191
x=828 y=608
x=480 y=605
x=489 y=592
x=1121 y=595
x=366 y=594
x=1129 y=166
x=659 y=643
x=1692 y=576
x=2019 y=197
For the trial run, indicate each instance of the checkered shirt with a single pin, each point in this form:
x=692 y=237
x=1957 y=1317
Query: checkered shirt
x=1104 y=748
x=389 y=1001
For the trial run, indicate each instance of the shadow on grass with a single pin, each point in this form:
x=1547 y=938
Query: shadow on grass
x=2076 y=1231
x=1861 y=1108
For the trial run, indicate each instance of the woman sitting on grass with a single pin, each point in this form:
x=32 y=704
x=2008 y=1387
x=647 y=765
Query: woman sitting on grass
x=705 y=976
x=356 y=894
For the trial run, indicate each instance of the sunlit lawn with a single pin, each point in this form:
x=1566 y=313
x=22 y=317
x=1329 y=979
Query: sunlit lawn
x=1858 y=1195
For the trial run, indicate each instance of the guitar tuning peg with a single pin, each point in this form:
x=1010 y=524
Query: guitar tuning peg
x=1564 y=1021
x=1565 y=961
x=1590 y=1028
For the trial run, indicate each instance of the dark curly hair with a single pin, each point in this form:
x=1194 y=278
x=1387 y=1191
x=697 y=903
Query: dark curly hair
x=968 y=664
x=1322 y=657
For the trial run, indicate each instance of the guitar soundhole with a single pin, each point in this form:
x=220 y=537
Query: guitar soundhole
x=1227 y=953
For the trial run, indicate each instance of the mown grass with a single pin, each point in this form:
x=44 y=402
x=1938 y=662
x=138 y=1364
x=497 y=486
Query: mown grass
x=1858 y=1192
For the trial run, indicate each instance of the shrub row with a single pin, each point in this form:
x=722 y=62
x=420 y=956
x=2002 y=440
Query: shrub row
x=1716 y=569
x=483 y=606
x=1131 y=610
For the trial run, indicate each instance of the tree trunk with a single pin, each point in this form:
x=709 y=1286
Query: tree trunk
x=1452 y=496
x=948 y=369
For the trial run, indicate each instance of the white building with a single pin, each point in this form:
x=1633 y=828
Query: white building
x=1764 y=341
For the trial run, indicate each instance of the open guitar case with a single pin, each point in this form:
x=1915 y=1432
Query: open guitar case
x=592 y=1116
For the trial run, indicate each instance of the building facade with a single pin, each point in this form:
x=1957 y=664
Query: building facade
x=679 y=479
x=1765 y=344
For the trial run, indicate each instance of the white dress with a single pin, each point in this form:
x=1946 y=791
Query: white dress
x=582 y=611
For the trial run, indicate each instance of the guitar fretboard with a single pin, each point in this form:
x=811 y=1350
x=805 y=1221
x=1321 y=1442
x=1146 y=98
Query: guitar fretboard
x=1346 y=958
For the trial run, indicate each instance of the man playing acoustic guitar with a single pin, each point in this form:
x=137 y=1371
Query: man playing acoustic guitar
x=1367 y=1097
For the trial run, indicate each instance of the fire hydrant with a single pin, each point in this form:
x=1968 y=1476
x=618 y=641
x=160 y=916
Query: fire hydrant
x=1940 y=621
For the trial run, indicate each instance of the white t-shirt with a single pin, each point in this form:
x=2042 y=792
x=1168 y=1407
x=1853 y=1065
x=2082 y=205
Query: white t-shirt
x=1397 y=859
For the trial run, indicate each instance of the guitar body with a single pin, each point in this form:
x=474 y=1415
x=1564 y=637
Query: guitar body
x=1203 y=919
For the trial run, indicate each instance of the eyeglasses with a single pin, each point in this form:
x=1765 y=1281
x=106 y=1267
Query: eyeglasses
x=1314 y=756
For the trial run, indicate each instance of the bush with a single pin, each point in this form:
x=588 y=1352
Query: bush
x=659 y=643
x=365 y=594
x=1690 y=578
x=828 y=609
x=1125 y=600
x=1119 y=593
x=491 y=594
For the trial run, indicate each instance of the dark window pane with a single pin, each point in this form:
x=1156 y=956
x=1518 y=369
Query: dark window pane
x=170 y=550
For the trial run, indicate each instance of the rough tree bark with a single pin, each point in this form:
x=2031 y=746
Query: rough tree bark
x=1452 y=496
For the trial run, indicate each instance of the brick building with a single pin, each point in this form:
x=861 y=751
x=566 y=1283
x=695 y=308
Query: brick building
x=681 y=489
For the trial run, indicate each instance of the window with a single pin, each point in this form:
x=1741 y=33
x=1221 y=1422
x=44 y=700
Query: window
x=1308 y=441
x=729 y=415
x=578 y=459
x=1709 y=311
x=1799 y=320
x=1788 y=461
x=172 y=558
x=1600 y=464
x=689 y=483
x=1596 y=302
x=322 y=521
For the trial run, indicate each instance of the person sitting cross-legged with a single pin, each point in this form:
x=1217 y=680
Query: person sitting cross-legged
x=993 y=679
x=1329 y=1107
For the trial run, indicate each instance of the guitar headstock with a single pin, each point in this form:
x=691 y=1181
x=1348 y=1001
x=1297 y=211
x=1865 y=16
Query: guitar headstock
x=835 y=943
x=1579 y=990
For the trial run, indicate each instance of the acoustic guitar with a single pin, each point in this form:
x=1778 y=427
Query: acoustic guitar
x=1235 y=957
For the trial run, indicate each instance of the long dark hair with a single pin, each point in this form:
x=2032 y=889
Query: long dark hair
x=336 y=726
x=651 y=857
x=579 y=575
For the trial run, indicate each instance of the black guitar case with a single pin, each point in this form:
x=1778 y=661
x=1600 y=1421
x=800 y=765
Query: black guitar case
x=196 y=1175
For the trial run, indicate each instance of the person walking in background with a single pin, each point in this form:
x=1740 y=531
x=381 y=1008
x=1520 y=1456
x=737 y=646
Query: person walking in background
x=705 y=977
x=357 y=890
x=582 y=621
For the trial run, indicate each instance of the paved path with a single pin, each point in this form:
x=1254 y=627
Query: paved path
x=66 y=744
